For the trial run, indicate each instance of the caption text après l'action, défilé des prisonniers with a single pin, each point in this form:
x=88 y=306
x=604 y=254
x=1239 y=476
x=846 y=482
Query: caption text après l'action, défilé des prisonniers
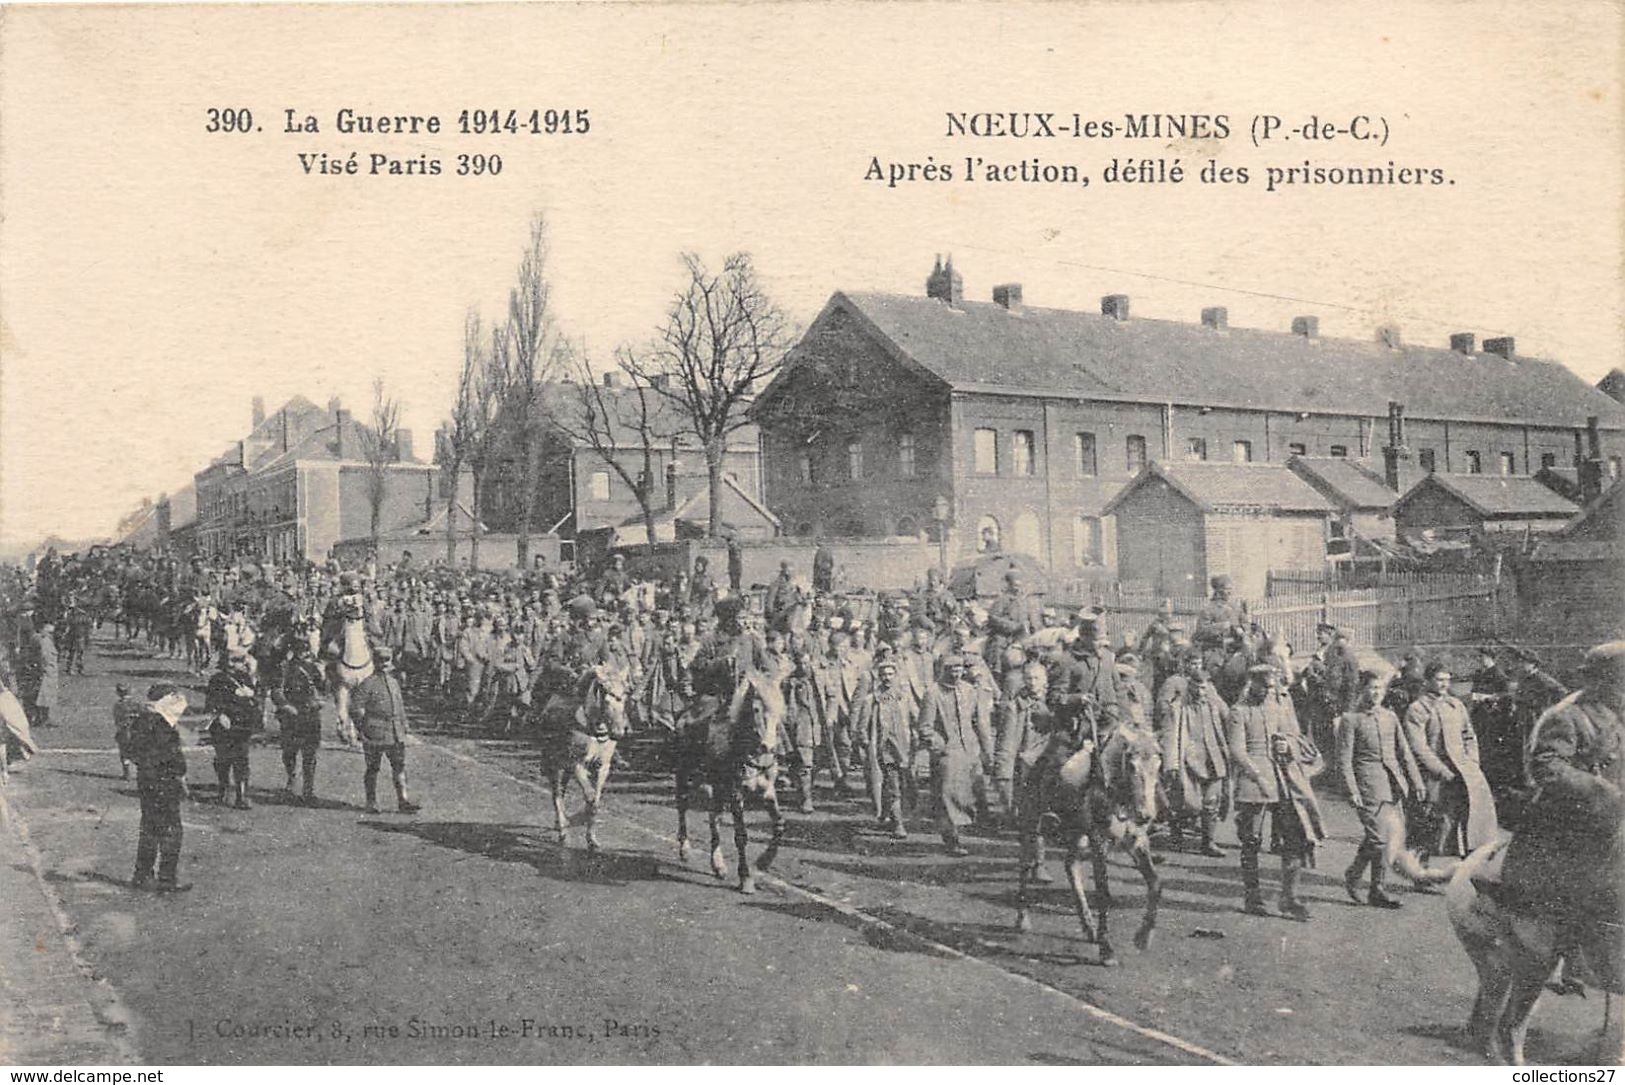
x=1197 y=133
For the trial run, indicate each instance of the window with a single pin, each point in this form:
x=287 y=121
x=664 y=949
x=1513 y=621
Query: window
x=1475 y=463
x=908 y=526
x=1196 y=449
x=1340 y=451
x=1136 y=453
x=854 y=460
x=1242 y=452
x=1083 y=445
x=987 y=452
x=1297 y=448
x=1021 y=449
x=1548 y=459
x=1086 y=540
x=600 y=485
x=1426 y=458
x=905 y=459
x=1509 y=463
x=804 y=467
x=1613 y=466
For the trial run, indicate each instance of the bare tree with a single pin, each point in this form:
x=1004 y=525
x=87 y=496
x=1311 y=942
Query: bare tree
x=471 y=420
x=380 y=445
x=722 y=340
x=489 y=391
x=618 y=422
x=536 y=352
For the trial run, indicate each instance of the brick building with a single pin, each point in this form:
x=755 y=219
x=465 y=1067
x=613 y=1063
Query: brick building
x=1478 y=508
x=1020 y=423
x=298 y=484
x=576 y=488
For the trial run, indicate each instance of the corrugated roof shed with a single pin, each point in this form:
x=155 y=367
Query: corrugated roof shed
x=1345 y=482
x=983 y=346
x=1209 y=486
x=1501 y=497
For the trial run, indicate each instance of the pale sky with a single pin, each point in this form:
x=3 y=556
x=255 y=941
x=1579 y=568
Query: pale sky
x=154 y=277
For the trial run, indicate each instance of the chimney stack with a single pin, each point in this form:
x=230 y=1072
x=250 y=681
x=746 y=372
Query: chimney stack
x=1591 y=468
x=1395 y=455
x=403 y=445
x=259 y=412
x=341 y=422
x=671 y=486
x=1114 y=306
x=1388 y=335
x=612 y=380
x=1462 y=342
x=1216 y=317
x=1504 y=346
x=1306 y=326
x=945 y=284
x=1008 y=296
x=286 y=436
x=659 y=380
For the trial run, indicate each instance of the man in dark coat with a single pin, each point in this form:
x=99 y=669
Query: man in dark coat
x=236 y=712
x=954 y=725
x=161 y=781
x=823 y=575
x=298 y=702
x=379 y=710
x=883 y=717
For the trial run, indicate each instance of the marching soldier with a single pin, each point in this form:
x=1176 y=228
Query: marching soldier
x=125 y=710
x=1266 y=748
x=1022 y=748
x=954 y=726
x=883 y=716
x=1191 y=723
x=1459 y=806
x=236 y=712
x=298 y=703
x=380 y=714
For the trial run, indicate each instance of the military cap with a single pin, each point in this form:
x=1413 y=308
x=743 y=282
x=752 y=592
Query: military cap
x=159 y=690
x=1221 y=581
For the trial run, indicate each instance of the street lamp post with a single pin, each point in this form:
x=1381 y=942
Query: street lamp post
x=940 y=511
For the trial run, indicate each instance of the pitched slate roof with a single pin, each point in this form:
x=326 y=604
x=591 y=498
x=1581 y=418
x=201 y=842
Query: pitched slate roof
x=1346 y=482
x=1210 y=485
x=1500 y=497
x=562 y=401
x=981 y=346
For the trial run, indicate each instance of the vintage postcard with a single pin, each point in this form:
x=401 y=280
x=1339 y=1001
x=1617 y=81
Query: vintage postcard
x=811 y=533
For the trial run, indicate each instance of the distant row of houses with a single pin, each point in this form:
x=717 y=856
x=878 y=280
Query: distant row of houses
x=1081 y=439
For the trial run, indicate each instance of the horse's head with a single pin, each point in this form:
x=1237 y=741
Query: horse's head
x=756 y=711
x=1133 y=764
x=604 y=698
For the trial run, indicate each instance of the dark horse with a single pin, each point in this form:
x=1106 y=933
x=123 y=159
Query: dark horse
x=726 y=752
x=1103 y=800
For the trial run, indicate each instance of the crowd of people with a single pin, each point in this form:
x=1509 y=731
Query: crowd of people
x=920 y=706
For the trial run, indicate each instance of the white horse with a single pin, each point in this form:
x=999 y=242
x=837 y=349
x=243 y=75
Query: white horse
x=1514 y=955
x=350 y=663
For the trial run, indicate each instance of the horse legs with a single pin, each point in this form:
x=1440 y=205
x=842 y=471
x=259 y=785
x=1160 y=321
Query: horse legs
x=682 y=785
x=776 y=815
x=589 y=795
x=736 y=805
x=556 y=783
x=1097 y=859
x=1153 y=891
x=1024 y=922
x=719 y=865
x=1074 y=873
x=599 y=783
x=1529 y=976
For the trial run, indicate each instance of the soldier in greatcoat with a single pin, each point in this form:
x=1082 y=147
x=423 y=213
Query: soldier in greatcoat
x=379 y=710
x=235 y=710
x=884 y=716
x=1379 y=772
x=1026 y=745
x=1191 y=721
x=1268 y=756
x=954 y=726
x=1459 y=807
x=804 y=721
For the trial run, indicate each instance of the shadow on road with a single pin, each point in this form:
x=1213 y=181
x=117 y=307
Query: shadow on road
x=520 y=844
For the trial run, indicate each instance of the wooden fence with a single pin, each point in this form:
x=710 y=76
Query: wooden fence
x=1411 y=610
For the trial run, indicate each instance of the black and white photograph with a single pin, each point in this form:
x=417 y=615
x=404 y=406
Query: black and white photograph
x=808 y=534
